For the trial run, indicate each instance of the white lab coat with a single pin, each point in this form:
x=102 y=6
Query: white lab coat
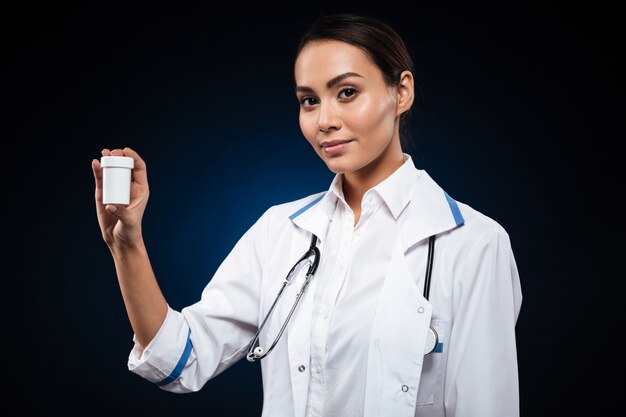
x=475 y=300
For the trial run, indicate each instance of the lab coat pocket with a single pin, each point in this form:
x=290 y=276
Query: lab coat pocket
x=432 y=373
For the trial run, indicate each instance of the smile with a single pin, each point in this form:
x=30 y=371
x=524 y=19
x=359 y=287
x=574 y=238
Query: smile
x=334 y=147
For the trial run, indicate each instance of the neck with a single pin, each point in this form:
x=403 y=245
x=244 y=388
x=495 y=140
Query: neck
x=357 y=183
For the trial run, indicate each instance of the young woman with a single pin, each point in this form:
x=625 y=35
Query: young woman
x=406 y=300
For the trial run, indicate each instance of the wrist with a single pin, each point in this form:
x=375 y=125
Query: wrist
x=122 y=247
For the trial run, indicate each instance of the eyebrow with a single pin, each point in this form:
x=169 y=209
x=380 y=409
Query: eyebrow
x=329 y=84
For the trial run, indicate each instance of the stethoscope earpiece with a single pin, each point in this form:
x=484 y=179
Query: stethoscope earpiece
x=258 y=352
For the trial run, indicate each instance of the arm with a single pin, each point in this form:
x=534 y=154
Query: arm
x=180 y=351
x=145 y=305
x=481 y=376
x=205 y=338
x=121 y=230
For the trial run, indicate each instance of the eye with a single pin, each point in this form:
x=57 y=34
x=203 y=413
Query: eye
x=347 y=93
x=308 y=101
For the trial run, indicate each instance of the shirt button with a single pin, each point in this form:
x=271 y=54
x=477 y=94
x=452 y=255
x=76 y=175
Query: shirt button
x=318 y=369
x=405 y=388
x=301 y=368
x=420 y=310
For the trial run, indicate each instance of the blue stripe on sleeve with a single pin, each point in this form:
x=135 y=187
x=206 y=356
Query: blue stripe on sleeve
x=178 y=369
x=456 y=212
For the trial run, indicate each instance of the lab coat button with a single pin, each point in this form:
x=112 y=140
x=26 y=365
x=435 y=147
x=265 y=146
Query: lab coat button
x=405 y=388
x=301 y=368
x=318 y=369
x=420 y=310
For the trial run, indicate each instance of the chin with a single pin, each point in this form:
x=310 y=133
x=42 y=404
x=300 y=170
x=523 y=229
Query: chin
x=341 y=164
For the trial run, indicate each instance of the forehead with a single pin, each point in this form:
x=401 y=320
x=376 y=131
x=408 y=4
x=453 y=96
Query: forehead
x=321 y=61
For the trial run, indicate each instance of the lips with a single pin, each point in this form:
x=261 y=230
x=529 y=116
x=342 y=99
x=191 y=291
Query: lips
x=334 y=142
x=334 y=147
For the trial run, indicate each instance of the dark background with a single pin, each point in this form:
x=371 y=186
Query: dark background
x=516 y=116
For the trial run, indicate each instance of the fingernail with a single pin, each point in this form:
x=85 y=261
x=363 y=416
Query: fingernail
x=113 y=209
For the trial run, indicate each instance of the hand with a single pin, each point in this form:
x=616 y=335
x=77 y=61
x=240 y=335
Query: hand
x=121 y=224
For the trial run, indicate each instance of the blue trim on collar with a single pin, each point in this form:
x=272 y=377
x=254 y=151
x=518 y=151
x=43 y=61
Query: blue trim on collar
x=456 y=212
x=178 y=369
x=305 y=208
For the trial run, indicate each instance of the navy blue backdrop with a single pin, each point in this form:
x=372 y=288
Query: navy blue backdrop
x=514 y=117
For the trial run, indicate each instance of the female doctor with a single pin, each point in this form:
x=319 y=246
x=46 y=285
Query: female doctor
x=405 y=302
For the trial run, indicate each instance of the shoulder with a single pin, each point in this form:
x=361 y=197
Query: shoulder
x=478 y=224
x=480 y=233
x=482 y=260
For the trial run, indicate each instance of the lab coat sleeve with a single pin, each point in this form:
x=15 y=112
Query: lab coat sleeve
x=203 y=339
x=481 y=378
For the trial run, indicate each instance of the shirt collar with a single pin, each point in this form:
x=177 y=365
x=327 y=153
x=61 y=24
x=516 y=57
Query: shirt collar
x=395 y=190
x=421 y=206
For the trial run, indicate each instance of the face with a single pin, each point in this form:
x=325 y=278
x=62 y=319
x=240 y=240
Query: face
x=349 y=115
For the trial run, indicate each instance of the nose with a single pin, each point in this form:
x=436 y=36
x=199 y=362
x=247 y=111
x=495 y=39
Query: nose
x=328 y=118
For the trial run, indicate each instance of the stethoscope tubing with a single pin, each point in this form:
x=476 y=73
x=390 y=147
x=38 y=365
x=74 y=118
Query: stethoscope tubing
x=255 y=353
x=314 y=251
x=429 y=266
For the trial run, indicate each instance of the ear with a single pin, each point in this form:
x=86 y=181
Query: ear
x=405 y=93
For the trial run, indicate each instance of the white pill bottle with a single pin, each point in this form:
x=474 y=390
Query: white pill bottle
x=116 y=178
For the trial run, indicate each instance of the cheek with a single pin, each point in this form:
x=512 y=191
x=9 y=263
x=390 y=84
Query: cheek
x=307 y=126
x=373 y=115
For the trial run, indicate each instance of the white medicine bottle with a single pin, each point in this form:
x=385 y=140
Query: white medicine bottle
x=116 y=178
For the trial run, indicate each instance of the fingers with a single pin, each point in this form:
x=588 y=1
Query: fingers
x=119 y=211
x=140 y=173
x=114 y=152
x=97 y=173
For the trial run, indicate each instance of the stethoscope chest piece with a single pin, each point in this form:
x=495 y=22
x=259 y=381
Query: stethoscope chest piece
x=432 y=339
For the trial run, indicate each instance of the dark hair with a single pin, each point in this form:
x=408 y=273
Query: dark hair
x=380 y=43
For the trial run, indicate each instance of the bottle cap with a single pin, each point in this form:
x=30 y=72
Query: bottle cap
x=117 y=162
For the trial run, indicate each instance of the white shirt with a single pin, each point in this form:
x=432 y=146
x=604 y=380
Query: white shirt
x=351 y=276
x=475 y=299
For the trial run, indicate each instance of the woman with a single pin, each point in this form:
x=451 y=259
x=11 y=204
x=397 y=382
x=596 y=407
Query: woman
x=359 y=341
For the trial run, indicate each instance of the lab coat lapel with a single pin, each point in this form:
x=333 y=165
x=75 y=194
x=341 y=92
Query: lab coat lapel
x=430 y=211
x=314 y=219
x=396 y=351
x=314 y=216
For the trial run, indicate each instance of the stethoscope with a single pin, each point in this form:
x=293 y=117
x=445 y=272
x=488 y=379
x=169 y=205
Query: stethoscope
x=257 y=352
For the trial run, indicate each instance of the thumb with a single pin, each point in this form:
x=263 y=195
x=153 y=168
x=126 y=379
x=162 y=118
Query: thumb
x=119 y=211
